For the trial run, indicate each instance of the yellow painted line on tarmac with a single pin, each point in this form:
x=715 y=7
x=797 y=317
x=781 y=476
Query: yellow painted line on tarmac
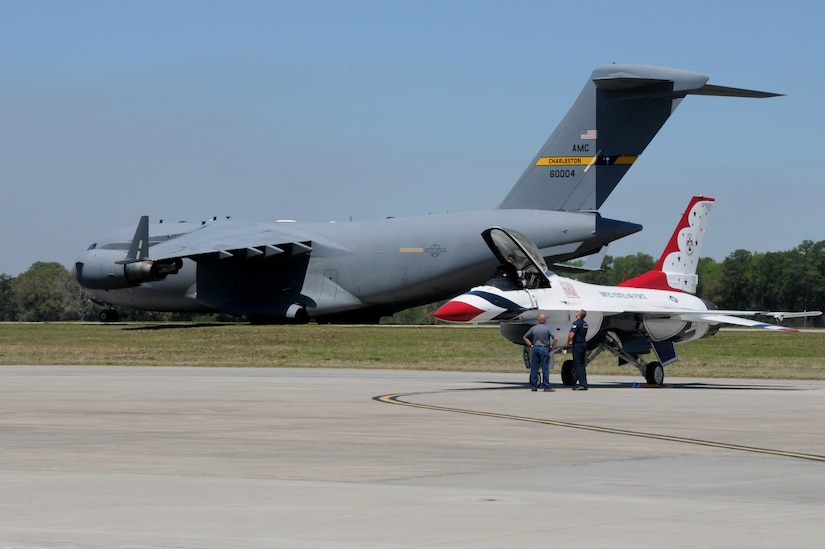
x=397 y=399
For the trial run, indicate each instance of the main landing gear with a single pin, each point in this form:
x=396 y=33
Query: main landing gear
x=653 y=372
x=527 y=356
x=109 y=315
x=568 y=374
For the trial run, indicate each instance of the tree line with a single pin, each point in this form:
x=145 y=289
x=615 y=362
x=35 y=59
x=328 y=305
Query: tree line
x=792 y=280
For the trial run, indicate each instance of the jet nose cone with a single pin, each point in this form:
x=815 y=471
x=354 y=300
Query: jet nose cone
x=457 y=311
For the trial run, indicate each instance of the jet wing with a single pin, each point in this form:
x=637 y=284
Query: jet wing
x=223 y=239
x=781 y=315
x=722 y=317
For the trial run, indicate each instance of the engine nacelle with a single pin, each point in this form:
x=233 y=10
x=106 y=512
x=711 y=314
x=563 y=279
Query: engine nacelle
x=100 y=270
x=150 y=271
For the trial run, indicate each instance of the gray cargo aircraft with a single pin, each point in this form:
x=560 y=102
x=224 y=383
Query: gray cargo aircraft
x=358 y=271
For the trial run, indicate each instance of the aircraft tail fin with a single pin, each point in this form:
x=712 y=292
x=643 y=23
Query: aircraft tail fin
x=616 y=115
x=140 y=243
x=676 y=268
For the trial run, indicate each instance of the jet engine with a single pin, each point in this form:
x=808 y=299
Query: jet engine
x=150 y=271
x=102 y=273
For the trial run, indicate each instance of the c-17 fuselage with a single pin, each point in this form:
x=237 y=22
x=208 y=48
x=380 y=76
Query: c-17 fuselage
x=359 y=271
x=367 y=268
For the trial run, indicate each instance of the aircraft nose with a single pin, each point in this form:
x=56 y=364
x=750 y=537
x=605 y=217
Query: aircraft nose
x=457 y=311
x=483 y=304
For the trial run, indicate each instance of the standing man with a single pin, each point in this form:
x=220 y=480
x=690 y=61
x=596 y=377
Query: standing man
x=576 y=340
x=540 y=340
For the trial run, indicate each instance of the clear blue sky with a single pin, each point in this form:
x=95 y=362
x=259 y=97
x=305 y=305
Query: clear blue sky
x=365 y=109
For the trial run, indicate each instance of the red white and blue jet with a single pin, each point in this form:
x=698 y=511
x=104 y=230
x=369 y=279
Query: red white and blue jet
x=651 y=312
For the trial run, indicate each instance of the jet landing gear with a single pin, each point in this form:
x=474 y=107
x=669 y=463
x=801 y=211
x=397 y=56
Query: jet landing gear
x=568 y=373
x=527 y=355
x=109 y=315
x=653 y=372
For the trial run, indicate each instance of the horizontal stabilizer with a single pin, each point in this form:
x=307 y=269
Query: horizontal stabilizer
x=724 y=91
x=615 y=117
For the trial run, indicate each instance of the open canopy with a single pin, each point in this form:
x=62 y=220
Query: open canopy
x=528 y=260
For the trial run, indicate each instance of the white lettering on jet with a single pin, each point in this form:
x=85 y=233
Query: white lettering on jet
x=623 y=295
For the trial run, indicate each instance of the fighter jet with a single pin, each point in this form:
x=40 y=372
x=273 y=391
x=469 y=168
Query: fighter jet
x=356 y=272
x=651 y=312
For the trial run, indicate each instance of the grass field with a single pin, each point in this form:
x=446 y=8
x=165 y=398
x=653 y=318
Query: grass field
x=732 y=354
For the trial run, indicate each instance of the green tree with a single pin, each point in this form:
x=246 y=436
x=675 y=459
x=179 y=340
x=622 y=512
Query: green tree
x=808 y=280
x=7 y=306
x=710 y=279
x=47 y=292
x=628 y=266
x=772 y=280
x=736 y=287
x=414 y=316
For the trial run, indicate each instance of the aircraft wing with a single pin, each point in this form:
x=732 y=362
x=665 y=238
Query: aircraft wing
x=223 y=239
x=781 y=315
x=718 y=317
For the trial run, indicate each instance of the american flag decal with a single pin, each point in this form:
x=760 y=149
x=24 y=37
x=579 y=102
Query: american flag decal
x=589 y=134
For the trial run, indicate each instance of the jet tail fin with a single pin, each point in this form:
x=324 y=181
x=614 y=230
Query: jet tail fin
x=140 y=243
x=676 y=268
x=616 y=115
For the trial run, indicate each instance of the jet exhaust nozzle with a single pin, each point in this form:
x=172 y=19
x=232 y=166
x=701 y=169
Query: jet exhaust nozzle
x=150 y=271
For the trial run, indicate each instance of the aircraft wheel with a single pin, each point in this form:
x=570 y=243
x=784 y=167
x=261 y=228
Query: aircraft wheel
x=525 y=355
x=568 y=373
x=655 y=373
x=109 y=315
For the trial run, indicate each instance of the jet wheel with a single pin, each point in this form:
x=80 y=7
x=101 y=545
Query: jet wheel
x=568 y=373
x=655 y=373
x=526 y=356
x=109 y=315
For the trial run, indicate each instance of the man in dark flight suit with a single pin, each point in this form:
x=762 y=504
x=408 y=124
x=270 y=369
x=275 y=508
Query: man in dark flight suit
x=577 y=341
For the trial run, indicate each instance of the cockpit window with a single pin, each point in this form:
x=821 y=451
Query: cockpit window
x=528 y=260
x=93 y=246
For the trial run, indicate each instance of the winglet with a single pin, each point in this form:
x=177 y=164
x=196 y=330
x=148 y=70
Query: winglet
x=676 y=268
x=140 y=243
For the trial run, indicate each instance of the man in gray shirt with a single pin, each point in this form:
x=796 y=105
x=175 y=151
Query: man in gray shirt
x=540 y=340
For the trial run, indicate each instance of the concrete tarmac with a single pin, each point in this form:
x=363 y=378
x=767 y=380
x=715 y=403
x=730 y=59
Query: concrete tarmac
x=229 y=458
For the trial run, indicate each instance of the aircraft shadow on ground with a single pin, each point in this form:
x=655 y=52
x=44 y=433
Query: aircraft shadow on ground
x=175 y=326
